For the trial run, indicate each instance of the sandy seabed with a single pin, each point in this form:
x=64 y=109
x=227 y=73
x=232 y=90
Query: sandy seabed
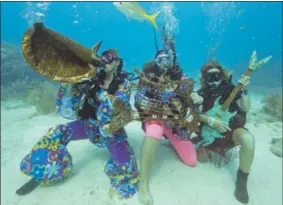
x=171 y=181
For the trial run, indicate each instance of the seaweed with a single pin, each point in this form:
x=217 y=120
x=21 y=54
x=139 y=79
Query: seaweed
x=273 y=106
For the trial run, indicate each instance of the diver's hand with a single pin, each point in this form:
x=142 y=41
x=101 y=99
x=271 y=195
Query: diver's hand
x=197 y=99
x=142 y=100
x=189 y=116
x=84 y=85
x=85 y=80
x=244 y=80
x=120 y=120
x=146 y=103
x=218 y=124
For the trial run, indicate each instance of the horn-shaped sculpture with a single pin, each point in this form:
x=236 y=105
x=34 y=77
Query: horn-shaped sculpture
x=57 y=57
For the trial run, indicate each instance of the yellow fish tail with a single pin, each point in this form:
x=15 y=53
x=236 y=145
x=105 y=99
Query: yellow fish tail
x=152 y=19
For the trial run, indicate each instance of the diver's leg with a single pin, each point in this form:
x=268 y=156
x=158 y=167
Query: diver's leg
x=246 y=140
x=154 y=133
x=50 y=148
x=184 y=149
x=80 y=129
x=122 y=169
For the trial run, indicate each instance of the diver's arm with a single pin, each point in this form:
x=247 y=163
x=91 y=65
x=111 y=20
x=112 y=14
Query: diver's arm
x=141 y=100
x=244 y=102
x=64 y=103
x=120 y=112
x=199 y=108
x=211 y=121
x=124 y=92
x=217 y=124
x=203 y=118
x=69 y=90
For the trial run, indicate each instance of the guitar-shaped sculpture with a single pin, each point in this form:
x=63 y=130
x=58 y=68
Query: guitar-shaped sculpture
x=208 y=133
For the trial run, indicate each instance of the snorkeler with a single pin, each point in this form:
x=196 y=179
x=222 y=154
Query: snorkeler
x=93 y=102
x=216 y=88
x=163 y=66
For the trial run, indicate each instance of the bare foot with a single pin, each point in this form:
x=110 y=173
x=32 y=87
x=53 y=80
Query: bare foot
x=144 y=195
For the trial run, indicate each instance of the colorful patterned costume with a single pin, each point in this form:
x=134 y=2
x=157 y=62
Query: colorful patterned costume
x=50 y=162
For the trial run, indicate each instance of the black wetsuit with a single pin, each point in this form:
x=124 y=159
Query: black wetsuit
x=90 y=89
x=237 y=121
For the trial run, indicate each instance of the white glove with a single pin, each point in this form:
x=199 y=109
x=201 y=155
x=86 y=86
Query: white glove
x=197 y=99
x=244 y=80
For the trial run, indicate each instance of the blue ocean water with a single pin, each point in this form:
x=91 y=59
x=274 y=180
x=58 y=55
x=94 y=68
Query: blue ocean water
x=229 y=31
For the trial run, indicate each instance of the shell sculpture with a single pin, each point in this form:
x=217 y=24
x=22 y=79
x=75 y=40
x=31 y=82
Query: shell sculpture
x=57 y=57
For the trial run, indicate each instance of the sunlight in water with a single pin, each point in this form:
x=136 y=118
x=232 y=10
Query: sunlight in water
x=219 y=15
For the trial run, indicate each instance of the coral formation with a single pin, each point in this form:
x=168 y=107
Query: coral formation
x=13 y=65
x=273 y=106
x=16 y=90
x=41 y=94
x=22 y=85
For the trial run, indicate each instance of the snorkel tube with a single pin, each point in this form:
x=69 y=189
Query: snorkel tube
x=168 y=45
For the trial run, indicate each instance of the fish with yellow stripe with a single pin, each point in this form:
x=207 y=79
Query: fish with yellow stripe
x=133 y=10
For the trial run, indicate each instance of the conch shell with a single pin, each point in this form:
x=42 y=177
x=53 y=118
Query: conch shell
x=57 y=57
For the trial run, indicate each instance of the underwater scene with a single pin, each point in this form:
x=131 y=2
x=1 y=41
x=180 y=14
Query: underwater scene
x=151 y=103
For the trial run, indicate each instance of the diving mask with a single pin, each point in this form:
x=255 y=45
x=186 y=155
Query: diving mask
x=213 y=79
x=164 y=59
x=107 y=57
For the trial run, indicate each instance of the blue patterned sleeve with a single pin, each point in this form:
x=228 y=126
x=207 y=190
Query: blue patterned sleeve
x=124 y=92
x=166 y=95
x=61 y=92
x=105 y=111
x=140 y=94
x=67 y=105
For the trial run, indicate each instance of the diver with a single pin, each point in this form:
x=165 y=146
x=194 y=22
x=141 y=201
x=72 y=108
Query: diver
x=164 y=65
x=92 y=102
x=217 y=82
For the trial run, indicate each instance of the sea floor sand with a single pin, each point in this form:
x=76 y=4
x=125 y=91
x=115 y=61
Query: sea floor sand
x=171 y=181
